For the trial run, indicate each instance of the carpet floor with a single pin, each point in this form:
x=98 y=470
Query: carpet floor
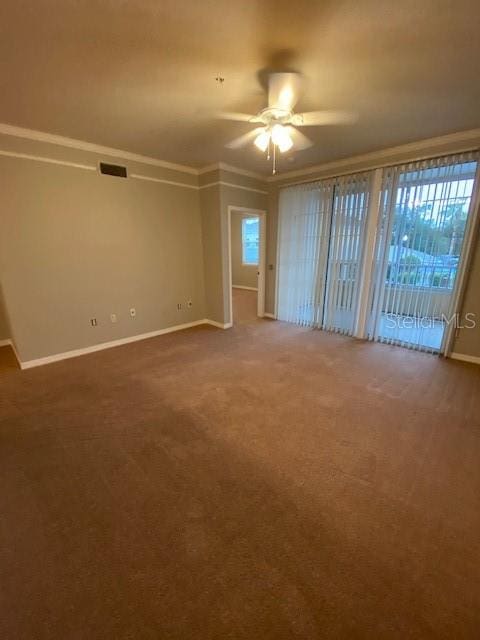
x=265 y=482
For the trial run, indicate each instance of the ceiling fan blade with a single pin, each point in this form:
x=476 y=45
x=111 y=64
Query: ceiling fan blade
x=283 y=90
x=300 y=141
x=243 y=140
x=317 y=118
x=238 y=117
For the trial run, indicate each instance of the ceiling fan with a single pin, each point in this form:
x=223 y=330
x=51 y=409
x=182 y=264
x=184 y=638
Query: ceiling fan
x=278 y=121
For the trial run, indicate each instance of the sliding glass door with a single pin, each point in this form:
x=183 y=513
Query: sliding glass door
x=344 y=262
x=422 y=228
x=399 y=285
x=304 y=229
x=321 y=240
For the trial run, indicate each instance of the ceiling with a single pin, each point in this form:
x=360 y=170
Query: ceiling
x=139 y=75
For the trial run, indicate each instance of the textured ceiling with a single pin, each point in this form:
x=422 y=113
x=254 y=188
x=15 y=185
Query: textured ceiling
x=139 y=75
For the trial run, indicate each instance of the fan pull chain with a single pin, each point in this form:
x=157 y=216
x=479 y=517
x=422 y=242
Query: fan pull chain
x=274 y=170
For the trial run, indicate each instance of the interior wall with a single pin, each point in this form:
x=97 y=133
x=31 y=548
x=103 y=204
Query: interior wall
x=243 y=275
x=212 y=252
x=251 y=194
x=220 y=189
x=272 y=231
x=77 y=245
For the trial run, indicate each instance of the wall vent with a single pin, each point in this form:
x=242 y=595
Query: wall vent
x=113 y=170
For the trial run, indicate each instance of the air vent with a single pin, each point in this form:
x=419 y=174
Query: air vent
x=113 y=170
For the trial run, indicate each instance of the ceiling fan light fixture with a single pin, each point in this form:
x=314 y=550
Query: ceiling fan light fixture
x=262 y=140
x=286 y=144
x=281 y=138
x=277 y=130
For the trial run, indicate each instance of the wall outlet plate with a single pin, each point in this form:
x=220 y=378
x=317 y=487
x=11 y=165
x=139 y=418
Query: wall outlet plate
x=133 y=312
x=189 y=304
x=113 y=317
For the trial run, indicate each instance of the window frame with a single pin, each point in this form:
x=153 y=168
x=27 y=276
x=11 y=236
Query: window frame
x=244 y=220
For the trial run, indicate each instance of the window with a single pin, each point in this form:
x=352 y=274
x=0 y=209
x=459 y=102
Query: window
x=250 y=244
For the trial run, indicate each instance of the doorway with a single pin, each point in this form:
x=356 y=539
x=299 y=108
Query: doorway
x=246 y=231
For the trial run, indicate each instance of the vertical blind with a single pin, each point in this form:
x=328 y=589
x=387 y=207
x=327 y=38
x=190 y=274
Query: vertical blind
x=305 y=213
x=344 y=264
x=423 y=219
x=408 y=279
x=322 y=234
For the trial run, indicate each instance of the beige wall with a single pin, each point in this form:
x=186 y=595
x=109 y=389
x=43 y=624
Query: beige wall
x=272 y=231
x=225 y=189
x=243 y=275
x=76 y=245
x=212 y=252
x=237 y=197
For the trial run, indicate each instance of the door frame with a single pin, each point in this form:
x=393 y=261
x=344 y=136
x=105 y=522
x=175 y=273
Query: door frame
x=262 y=216
x=451 y=331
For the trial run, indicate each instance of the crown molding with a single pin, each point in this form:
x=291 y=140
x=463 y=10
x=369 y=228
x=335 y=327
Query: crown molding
x=72 y=143
x=461 y=140
x=64 y=163
x=208 y=168
x=241 y=172
x=233 y=185
x=231 y=169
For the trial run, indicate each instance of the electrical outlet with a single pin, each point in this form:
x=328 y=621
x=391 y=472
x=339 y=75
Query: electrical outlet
x=189 y=304
x=179 y=306
x=133 y=312
x=93 y=322
x=113 y=317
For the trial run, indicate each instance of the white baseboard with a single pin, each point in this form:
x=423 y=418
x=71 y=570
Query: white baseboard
x=29 y=364
x=270 y=315
x=239 y=286
x=5 y=343
x=465 y=358
x=219 y=325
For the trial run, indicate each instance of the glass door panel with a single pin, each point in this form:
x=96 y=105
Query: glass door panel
x=419 y=248
x=347 y=241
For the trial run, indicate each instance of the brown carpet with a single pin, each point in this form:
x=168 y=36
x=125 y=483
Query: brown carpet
x=263 y=482
x=244 y=307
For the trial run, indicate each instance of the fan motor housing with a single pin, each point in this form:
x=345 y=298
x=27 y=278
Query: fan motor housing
x=275 y=115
